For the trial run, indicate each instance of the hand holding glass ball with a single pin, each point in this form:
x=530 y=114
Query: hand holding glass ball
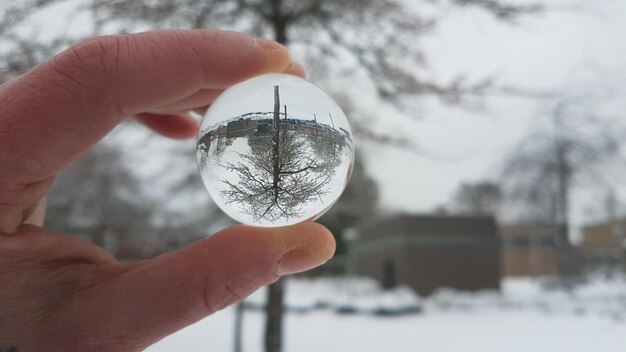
x=275 y=151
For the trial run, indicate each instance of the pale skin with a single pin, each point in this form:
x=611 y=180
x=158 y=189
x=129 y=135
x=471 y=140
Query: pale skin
x=59 y=293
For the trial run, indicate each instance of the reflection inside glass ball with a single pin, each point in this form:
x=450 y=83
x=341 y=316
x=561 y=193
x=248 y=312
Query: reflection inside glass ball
x=274 y=151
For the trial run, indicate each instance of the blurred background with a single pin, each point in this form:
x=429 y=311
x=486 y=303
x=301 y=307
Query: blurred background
x=487 y=209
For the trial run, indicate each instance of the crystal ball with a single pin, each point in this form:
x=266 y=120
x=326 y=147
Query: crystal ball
x=275 y=150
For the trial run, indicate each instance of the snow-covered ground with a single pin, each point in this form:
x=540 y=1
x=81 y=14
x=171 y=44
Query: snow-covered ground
x=527 y=315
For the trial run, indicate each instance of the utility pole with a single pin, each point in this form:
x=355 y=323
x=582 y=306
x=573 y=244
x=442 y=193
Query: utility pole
x=274 y=307
x=564 y=249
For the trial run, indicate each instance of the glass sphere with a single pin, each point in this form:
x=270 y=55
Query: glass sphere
x=275 y=150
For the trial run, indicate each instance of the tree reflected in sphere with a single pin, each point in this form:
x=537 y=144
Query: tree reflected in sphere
x=274 y=151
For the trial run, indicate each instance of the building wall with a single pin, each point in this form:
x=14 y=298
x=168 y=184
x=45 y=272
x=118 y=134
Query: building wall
x=530 y=261
x=373 y=265
x=459 y=267
x=432 y=252
x=605 y=235
x=604 y=245
x=240 y=128
x=528 y=250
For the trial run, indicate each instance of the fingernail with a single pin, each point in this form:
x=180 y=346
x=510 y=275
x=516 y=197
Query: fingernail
x=298 y=260
x=295 y=67
x=269 y=44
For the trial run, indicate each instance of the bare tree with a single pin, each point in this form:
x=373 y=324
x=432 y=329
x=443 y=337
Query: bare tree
x=22 y=52
x=379 y=35
x=15 y=12
x=382 y=37
x=97 y=198
x=358 y=201
x=479 y=198
x=26 y=53
x=283 y=172
x=573 y=146
x=100 y=198
x=611 y=205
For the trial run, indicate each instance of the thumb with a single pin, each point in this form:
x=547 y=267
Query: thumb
x=165 y=294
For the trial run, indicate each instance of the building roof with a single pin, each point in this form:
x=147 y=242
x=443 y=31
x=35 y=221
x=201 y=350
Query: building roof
x=510 y=231
x=411 y=224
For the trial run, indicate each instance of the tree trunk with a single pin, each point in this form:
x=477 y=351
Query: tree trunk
x=566 y=259
x=279 y=21
x=273 y=329
x=238 y=327
x=280 y=30
x=274 y=308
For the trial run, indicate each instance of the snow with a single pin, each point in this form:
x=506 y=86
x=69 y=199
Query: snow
x=356 y=295
x=527 y=315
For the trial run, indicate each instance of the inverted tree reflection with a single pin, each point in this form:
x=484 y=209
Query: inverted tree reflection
x=288 y=166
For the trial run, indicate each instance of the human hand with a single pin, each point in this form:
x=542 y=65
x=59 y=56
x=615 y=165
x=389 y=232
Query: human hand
x=59 y=293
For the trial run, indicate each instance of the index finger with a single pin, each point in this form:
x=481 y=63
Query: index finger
x=54 y=113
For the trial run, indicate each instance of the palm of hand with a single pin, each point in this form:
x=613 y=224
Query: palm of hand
x=45 y=272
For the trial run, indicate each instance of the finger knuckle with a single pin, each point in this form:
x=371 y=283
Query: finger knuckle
x=218 y=299
x=90 y=62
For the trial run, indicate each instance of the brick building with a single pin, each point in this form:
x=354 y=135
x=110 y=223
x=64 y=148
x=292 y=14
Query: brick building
x=604 y=244
x=528 y=250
